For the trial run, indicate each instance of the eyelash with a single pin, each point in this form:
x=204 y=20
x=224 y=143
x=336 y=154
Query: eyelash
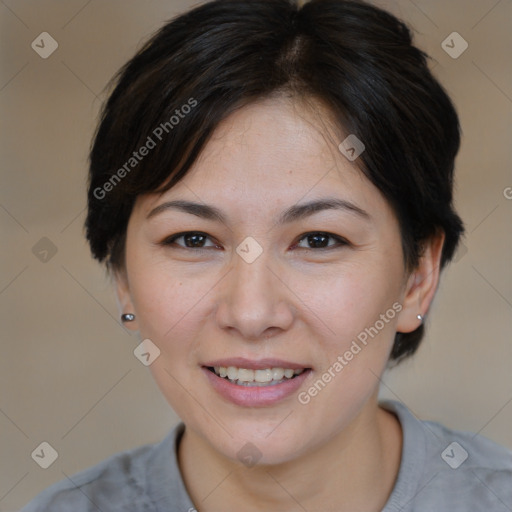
x=170 y=241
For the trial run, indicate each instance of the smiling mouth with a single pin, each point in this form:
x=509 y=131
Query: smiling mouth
x=256 y=378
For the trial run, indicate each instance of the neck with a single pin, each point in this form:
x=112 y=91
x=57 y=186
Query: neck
x=353 y=471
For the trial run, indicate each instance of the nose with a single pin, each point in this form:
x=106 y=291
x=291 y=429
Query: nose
x=254 y=303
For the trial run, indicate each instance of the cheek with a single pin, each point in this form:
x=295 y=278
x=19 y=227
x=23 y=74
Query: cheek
x=356 y=321
x=171 y=312
x=173 y=302
x=166 y=305
x=351 y=300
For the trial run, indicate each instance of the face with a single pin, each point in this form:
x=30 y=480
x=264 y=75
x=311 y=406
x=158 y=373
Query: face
x=264 y=291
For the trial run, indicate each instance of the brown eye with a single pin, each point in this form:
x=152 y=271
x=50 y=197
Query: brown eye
x=320 y=240
x=191 y=240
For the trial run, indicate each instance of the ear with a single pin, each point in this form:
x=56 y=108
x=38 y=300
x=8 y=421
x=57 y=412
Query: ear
x=421 y=285
x=124 y=298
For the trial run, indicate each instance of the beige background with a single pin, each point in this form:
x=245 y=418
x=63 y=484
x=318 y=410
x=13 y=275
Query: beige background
x=68 y=375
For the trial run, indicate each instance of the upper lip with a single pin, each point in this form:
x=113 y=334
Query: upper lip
x=251 y=364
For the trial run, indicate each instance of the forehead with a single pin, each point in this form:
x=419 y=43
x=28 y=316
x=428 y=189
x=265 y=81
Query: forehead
x=275 y=136
x=273 y=152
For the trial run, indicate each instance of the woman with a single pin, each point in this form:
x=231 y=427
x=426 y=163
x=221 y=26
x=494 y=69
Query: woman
x=271 y=187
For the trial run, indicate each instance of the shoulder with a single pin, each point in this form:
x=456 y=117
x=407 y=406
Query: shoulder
x=118 y=479
x=119 y=483
x=443 y=468
x=470 y=467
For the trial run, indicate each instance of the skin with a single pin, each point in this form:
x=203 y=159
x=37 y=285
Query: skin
x=341 y=451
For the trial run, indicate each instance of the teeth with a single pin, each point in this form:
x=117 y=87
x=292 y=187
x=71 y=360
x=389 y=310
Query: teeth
x=277 y=373
x=263 y=375
x=247 y=377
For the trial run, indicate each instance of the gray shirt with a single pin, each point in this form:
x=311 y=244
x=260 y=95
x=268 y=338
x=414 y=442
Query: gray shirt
x=441 y=470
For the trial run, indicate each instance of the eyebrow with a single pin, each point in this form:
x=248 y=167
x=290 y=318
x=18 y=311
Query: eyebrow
x=291 y=214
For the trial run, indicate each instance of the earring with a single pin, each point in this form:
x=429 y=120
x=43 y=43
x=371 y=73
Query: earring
x=420 y=318
x=127 y=317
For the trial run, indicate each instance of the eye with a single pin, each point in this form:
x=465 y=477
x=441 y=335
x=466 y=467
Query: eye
x=191 y=239
x=197 y=239
x=319 y=240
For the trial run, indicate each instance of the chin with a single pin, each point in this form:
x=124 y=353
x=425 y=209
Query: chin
x=251 y=451
x=252 y=442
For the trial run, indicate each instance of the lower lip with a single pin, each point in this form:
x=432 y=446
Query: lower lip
x=255 y=396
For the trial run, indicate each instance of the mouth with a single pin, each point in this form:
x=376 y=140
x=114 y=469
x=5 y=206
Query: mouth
x=255 y=383
x=264 y=377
